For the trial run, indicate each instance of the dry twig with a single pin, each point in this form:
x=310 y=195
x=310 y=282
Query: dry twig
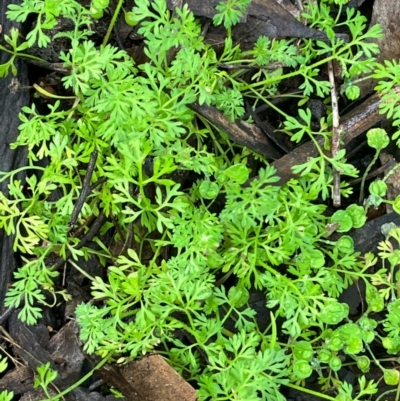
x=335 y=145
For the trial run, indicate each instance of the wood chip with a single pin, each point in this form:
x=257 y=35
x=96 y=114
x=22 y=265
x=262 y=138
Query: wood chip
x=157 y=380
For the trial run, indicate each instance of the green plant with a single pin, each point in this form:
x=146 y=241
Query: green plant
x=46 y=376
x=5 y=395
x=139 y=120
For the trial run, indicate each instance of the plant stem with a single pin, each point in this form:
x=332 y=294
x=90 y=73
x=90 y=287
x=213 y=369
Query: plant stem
x=113 y=21
x=24 y=55
x=81 y=270
x=385 y=394
x=308 y=391
x=79 y=382
x=366 y=174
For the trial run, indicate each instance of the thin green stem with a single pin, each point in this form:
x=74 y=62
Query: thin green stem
x=338 y=14
x=24 y=55
x=215 y=142
x=270 y=104
x=113 y=21
x=311 y=392
x=391 y=172
x=303 y=69
x=5 y=175
x=79 y=382
x=384 y=394
x=376 y=361
x=51 y=95
x=87 y=275
x=366 y=174
x=278 y=78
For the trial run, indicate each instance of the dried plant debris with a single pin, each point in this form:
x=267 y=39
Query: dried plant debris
x=157 y=380
x=148 y=379
x=263 y=17
x=19 y=380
